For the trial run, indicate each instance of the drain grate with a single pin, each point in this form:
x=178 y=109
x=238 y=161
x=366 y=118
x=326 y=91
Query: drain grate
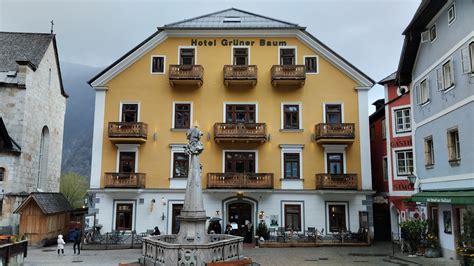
x=77 y=261
x=323 y=259
x=48 y=250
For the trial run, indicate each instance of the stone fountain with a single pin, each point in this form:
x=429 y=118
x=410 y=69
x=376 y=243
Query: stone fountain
x=192 y=245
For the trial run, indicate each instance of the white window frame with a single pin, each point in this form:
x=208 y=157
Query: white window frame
x=241 y=103
x=291 y=148
x=333 y=103
x=471 y=55
x=419 y=92
x=406 y=131
x=232 y=53
x=283 y=218
x=187 y=47
x=467 y=58
x=288 y=47
x=441 y=79
x=453 y=8
x=169 y=219
x=317 y=64
x=126 y=148
x=332 y=148
x=346 y=206
x=190 y=114
x=432 y=155
x=129 y=102
x=436 y=32
x=458 y=151
x=164 y=65
x=396 y=175
x=134 y=212
x=254 y=151
x=282 y=115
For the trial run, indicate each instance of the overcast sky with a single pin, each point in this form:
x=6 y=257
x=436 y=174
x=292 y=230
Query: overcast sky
x=368 y=33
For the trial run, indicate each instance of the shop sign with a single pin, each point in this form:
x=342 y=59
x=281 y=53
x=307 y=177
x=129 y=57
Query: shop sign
x=400 y=143
x=236 y=42
x=439 y=200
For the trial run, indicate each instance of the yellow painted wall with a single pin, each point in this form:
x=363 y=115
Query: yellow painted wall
x=156 y=98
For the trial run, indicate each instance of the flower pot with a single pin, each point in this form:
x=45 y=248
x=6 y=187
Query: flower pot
x=432 y=253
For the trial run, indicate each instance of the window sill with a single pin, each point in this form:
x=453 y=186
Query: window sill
x=177 y=178
x=179 y=129
x=158 y=73
x=425 y=103
x=291 y=179
x=449 y=89
x=291 y=130
x=429 y=166
x=455 y=162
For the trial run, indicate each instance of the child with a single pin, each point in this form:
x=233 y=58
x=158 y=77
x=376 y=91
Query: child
x=61 y=244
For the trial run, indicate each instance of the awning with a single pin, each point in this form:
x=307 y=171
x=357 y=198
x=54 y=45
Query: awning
x=451 y=197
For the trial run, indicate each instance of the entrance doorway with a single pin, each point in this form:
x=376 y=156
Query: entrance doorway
x=382 y=223
x=239 y=214
x=176 y=211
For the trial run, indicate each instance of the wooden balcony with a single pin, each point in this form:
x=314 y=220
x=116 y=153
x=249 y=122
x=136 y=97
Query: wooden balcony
x=188 y=75
x=125 y=180
x=336 y=181
x=128 y=132
x=256 y=132
x=240 y=75
x=288 y=75
x=335 y=133
x=240 y=180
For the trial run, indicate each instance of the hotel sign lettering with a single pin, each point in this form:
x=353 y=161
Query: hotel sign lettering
x=236 y=42
x=400 y=143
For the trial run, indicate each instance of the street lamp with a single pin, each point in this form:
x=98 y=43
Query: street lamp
x=411 y=179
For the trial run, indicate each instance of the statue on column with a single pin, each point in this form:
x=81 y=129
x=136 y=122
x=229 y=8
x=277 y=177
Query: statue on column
x=195 y=146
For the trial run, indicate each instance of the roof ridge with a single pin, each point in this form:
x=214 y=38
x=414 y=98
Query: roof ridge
x=225 y=10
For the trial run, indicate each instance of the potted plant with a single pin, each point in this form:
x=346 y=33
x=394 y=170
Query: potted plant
x=413 y=230
x=432 y=248
x=466 y=247
x=262 y=230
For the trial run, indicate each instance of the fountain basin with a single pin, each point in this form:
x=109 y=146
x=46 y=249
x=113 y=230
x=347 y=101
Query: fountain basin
x=165 y=250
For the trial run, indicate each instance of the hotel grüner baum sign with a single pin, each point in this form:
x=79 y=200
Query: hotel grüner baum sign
x=236 y=42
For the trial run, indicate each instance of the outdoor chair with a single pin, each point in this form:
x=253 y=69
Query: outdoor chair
x=272 y=233
x=319 y=236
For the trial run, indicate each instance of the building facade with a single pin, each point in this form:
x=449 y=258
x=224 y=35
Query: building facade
x=32 y=108
x=438 y=60
x=392 y=156
x=284 y=121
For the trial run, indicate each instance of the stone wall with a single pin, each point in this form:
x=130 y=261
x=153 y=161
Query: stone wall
x=25 y=111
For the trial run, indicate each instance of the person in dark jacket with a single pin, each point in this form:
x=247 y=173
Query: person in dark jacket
x=77 y=241
x=156 y=231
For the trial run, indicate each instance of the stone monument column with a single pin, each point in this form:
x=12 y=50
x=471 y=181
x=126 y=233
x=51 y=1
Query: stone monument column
x=193 y=216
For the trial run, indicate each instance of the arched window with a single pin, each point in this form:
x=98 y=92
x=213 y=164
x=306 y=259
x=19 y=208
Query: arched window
x=43 y=158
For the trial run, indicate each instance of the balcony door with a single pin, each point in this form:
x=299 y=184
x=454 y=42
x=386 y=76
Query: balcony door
x=127 y=162
x=240 y=113
x=333 y=113
x=335 y=163
x=240 y=162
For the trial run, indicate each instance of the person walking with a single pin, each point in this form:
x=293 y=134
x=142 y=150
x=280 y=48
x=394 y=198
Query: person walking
x=61 y=244
x=156 y=231
x=77 y=241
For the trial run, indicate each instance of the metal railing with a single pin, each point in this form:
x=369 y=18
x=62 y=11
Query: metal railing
x=240 y=180
x=128 y=130
x=336 y=181
x=125 y=180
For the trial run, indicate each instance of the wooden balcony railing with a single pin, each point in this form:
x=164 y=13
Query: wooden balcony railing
x=240 y=180
x=186 y=74
x=240 y=132
x=288 y=74
x=241 y=74
x=344 y=132
x=336 y=181
x=128 y=131
x=125 y=180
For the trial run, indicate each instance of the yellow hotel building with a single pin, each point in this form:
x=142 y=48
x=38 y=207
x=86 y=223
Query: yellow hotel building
x=285 y=122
